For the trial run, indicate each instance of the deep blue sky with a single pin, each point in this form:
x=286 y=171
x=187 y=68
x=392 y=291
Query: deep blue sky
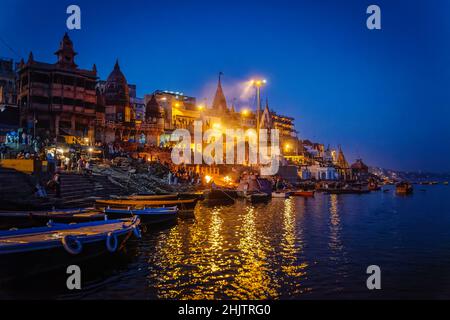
x=383 y=95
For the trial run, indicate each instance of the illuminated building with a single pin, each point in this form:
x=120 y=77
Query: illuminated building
x=9 y=112
x=57 y=97
x=342 y=166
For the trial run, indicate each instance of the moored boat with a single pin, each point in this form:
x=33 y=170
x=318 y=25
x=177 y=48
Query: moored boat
x=258 y=197
x=404 y=188
x=10 y=219
x=173 y=196
x=221 y=196
x=373 y=186
x=302 y=193
x=182 y=205
x=35 y=250
x=281 y=194
x=167 y=196
x=147 y=216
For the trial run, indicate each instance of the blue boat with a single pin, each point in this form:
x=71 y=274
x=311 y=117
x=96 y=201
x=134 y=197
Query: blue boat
x=36 y=250
x=147 y=215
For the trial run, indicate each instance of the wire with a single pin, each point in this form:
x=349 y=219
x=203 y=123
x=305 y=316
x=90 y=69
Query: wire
x=9 y=47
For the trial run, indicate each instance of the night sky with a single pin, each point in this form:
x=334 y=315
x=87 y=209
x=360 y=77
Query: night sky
x=383 y=95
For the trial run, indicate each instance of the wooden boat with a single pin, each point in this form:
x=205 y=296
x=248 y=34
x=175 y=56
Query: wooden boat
x=281 y=194
x=301 y=193
x=404 y=188
x=10 y=219
x=35 y=250
x=374 y=187
x=198 y=195
x=173 y=196
x=258 y=197
x=147 y=216
x=182 y=205
x=221 y=196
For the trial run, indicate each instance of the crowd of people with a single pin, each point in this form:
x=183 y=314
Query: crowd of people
x=183 y=176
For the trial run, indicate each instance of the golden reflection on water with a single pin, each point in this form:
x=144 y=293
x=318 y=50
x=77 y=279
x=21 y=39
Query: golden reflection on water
x=335 y=224
x=237 y=252
x=292 y=245
x=252 y=280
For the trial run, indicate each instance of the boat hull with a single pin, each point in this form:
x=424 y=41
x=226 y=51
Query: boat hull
x=282 y=195
x=221 y=197
x=303 y=193
x=258 y=198
x=156 y=217
x=22 y=258
x=182 y=205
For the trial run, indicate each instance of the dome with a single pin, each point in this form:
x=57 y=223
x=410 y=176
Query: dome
x=152 y=109
x=116 y=88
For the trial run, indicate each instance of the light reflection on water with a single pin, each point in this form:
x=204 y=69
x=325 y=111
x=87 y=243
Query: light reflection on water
x=289 y=249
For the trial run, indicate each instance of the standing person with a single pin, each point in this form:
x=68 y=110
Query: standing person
x=57 y=184
x=50 y=163
x=80 y=165
x=88 y=167
x=67 y=163
x=2 y=151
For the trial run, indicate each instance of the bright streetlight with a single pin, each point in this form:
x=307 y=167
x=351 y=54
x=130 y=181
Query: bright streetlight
x=258 y=83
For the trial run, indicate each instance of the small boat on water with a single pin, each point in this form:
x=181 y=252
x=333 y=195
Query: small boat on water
x=373 y=186
x=173 y=196
x=182 y=205
x=258 y=197
x=221 y=196
x=147 y=216
x=302 y=193
x=281 y=194
x=35 y=250
x=404 y=188
x=445 y=183
x=253 y=184
x=168 y=196
x=10 y=219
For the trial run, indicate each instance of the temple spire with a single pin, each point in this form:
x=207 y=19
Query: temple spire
x=30 y=58
x=233 y=109
x=66 y=53
x=220 y=102
x=116 y=66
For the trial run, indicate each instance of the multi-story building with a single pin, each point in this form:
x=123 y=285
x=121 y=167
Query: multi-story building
x=9 y=112
x=289 y=143
x=58 y=98
x=180 y=111
x=125 y=117
x=8 y=92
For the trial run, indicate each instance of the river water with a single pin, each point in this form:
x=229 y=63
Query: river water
x=296 y=248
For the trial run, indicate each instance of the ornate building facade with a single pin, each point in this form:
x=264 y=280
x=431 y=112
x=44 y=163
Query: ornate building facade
x=59 y=98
